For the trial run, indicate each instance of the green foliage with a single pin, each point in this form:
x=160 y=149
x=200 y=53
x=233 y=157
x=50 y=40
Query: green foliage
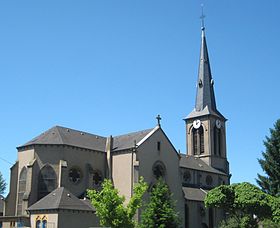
x=160 y=211
x=110 y=207
x=271 y=163
x=267 y=223
x=245 y=203
x=2 y=184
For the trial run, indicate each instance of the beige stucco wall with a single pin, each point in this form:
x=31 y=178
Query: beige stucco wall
x=52 y=219
x=10 y=201
x=74 y=157
x=148 y=154
x=209 y=157
x=198 y=214
x=122 y=175
x=67 y=219
x=77 y=219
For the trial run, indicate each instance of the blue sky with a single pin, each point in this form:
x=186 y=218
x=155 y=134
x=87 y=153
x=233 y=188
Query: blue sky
x=110 y=66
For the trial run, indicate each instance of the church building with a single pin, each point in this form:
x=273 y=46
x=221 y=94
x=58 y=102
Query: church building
x=49 y=180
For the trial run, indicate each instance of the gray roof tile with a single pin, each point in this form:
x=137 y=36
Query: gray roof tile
x=205 y=102
x=195 y=194
x=127 y=141
x=65 y=136
x=61 y=198
x=196 y=163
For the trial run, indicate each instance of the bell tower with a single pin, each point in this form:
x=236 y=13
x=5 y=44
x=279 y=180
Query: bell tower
x=205 y=125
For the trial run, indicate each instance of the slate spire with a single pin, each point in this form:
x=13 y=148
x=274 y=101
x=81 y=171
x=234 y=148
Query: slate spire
x=205 y=103
x=205 y=84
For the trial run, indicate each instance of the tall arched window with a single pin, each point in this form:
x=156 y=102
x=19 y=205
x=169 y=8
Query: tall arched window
x=21 y=189
x=47 y=181
x=159 y=170
x=38 y=224
x=44 y=224
x=198 y=140
x=217 y=141
x=97 y=178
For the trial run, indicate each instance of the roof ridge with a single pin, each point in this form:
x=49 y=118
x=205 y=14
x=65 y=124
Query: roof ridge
x=135 y=132
x=59 y=134
x=72 y=129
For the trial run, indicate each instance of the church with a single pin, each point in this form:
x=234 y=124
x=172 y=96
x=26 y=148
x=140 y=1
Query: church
x=49 y=180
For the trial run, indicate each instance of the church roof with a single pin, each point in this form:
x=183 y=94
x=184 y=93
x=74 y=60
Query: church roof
x=65 y=136
x=205 y=103
x=128 y=140
x=58 y=135
x=61 y=198
x=195 y=194
x=196 y=163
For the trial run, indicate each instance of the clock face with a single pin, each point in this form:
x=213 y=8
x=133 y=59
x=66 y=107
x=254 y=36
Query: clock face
x=196 y=124
x=218 y=123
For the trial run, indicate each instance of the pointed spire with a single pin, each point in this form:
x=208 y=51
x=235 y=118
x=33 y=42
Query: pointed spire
x=205 y=103
x=205 y=85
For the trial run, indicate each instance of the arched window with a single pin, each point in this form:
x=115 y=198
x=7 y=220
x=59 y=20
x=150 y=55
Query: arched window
x=198 y=140
x=217 y=141
x=44 y=224
x=187 y=177
x=97 y=179
x=209 y=180
x=21 y=189
x=159 y=170
x=38 y=224
x=47 y=181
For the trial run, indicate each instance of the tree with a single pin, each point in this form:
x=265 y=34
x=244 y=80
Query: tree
x=245 y=204
x=2 y=184
x=271 y=162
x=110 y=206
x=160 y=212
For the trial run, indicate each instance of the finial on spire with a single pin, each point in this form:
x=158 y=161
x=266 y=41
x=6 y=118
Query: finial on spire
x=202 y=18
x=158 y=119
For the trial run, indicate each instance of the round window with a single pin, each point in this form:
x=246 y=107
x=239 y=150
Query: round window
x=75 y=175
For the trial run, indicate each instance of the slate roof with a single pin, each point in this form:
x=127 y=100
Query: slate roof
x=127 y=141
x=195 y=194
x=58 y=135
x=65 y=136
x=205 y=102
x=61 y=198
x=196 y=163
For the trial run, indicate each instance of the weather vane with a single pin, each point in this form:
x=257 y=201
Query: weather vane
x=202 y=18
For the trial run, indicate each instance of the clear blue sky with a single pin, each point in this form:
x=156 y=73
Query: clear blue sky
x=109 y=67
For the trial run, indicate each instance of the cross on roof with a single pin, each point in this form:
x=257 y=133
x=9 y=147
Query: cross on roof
x=158 y=119
x=202 y=18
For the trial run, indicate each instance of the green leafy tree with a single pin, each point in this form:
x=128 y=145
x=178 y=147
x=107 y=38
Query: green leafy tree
x=160 y=211
x=270 y=183
x=110 y=207
x=2 y=184
x=245 y=204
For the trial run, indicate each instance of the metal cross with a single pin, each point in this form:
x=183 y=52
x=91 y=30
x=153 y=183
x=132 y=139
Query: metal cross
x=202 y=18
x=158 y=119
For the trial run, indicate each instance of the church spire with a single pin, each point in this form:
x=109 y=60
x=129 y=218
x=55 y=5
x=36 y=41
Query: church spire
x=205 y=103
x=205 y=91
